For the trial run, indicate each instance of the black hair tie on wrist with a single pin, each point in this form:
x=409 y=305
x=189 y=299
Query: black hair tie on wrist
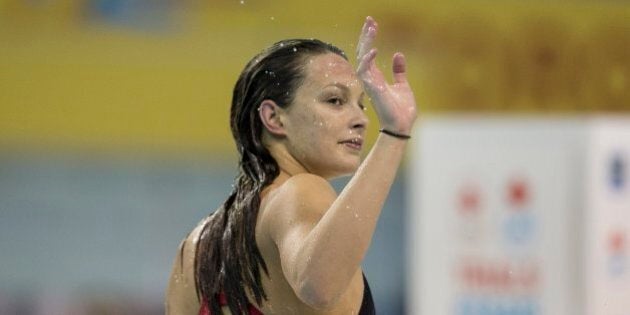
x=395 y=135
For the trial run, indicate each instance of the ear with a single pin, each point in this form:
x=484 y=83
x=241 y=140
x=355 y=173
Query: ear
x=271 y=116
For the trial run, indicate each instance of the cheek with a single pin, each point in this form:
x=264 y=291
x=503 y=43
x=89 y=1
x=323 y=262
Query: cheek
x=312 y=125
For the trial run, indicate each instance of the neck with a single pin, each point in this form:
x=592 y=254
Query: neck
x=288 y=165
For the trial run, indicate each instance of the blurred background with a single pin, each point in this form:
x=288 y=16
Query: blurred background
x=114 y=133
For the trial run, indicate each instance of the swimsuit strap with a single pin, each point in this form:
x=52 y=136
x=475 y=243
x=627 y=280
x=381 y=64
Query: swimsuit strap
x=367 y=305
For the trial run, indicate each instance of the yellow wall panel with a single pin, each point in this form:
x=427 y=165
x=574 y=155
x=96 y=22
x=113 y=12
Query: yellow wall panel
x=71 y=78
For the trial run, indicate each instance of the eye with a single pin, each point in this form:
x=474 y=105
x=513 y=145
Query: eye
x=335 y=101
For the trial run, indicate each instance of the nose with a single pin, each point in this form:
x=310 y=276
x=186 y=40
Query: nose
x=360 y=119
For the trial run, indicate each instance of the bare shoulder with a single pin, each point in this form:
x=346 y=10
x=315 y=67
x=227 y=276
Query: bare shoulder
x=301 y=199
x=181 y=294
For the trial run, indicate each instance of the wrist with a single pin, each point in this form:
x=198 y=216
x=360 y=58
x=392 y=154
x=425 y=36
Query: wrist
x=395 y=134
x=399 y=128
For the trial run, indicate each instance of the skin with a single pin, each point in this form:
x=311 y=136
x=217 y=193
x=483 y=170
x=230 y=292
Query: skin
x=312 y=239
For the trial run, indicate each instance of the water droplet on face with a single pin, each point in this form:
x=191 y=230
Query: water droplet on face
x=356 y=215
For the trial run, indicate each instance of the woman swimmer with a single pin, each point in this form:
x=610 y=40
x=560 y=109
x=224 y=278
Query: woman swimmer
x=298 y=120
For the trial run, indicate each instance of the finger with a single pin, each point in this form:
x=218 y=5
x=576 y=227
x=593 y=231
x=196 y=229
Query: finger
x=399 y=68
x=365 y=44
x=368 y=33
x=370 y=75
x=359 y=50
x=366 y=61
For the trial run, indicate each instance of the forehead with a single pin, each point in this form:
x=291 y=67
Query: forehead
x=329 y=68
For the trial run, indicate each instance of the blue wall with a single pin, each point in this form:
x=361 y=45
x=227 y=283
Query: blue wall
x=89 y=233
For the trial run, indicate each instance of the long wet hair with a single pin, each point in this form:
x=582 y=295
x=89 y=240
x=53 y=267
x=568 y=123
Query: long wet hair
x=227 y=258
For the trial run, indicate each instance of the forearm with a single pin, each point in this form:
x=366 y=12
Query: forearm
x=334 y=249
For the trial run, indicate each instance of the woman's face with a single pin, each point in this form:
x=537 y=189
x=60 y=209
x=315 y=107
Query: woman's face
x=326 y=122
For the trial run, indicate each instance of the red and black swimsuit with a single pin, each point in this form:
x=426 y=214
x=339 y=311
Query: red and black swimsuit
x=367 y=305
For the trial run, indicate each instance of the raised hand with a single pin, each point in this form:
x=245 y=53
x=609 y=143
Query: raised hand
x=394 y=103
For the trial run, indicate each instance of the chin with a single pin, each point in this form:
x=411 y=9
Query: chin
x=345 y=169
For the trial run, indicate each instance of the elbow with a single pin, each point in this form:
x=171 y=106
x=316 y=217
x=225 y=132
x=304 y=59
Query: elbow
x=317 y=295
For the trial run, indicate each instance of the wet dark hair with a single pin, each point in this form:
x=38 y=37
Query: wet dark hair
x=227 y=258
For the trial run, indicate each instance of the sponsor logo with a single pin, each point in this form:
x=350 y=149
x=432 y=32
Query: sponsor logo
x=617 y=172
x=519 y=223
x=468 y=207
x=493 y=305
x=497 y=287
x=617 y=258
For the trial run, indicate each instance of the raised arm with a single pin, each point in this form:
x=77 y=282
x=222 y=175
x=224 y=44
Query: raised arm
x=322 y=238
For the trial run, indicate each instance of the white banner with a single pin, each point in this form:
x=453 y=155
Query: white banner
x=506 y=217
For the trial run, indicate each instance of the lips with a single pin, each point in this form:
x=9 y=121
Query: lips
x=354 y=143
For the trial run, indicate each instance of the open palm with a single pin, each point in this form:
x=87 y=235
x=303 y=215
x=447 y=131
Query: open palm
x=394 y=103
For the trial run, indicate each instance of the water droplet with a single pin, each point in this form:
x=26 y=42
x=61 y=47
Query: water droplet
x=281 y=44
x=294 y=49
x=272 y=18
x=356 y=215
x=242 y=1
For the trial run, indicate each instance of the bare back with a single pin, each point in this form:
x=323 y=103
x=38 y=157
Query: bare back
x=181 y=296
